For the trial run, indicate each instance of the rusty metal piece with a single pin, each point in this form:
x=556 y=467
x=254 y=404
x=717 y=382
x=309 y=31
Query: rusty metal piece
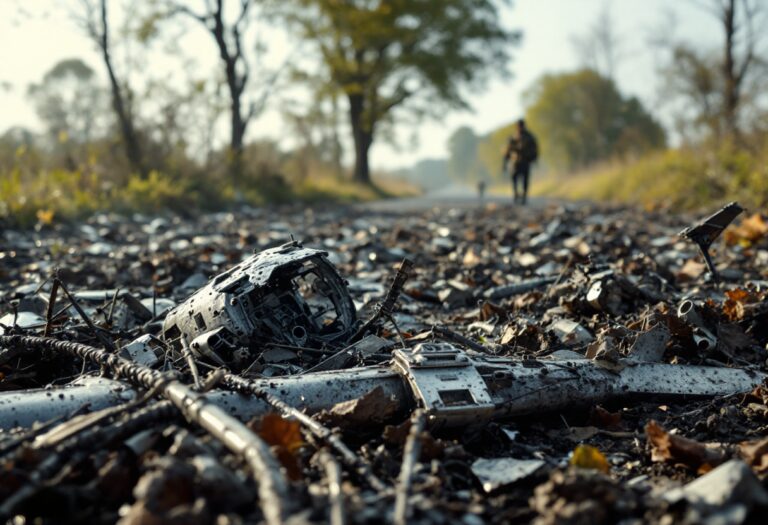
x=387 y=306
x=703 y=337
x=704 y=232
x=411 y=454
x=289 y=294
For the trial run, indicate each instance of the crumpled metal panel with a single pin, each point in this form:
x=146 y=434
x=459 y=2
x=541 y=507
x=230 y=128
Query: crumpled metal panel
x=22 y=408
x=515 y=387
x=290 y=294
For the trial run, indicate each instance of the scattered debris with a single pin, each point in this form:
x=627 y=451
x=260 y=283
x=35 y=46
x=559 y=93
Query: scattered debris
x=509 y=363
x=500 y=472
x=589 y=457
x=704 y=233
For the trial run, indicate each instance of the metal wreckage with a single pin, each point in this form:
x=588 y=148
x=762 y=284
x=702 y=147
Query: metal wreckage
x=194 y=361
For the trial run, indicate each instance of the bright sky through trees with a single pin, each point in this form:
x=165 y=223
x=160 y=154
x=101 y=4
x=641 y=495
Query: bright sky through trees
x=35 y=34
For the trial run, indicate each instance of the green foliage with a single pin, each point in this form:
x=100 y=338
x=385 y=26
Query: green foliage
x=683 y=177
x=155 y=193
x=68 y=101
x=581 y=118
x=387 y=54
x=32 y=192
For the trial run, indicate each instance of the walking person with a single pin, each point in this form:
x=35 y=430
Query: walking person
x=522 y=151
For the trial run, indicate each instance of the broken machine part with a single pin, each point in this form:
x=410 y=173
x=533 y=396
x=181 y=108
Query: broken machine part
x=289 y=294
x=704 y=232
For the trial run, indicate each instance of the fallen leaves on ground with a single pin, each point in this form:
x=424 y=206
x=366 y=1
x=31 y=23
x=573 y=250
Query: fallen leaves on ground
x=372 y=408
x=670 y=448
x=755 y=454
x=733 y=307
x=589 y=457
x=750 y=230
x=284 y=436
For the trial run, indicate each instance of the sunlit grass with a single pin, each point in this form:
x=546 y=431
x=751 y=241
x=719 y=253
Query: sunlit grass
x=682 y=178
x=27 y=197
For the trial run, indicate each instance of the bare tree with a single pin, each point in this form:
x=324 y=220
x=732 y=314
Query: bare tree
x=228 y=32
x=600 y=47
x=717 y=92
x=96 y=23
x=743 y=24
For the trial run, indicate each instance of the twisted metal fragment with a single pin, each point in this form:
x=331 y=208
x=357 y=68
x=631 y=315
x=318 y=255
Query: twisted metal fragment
x=411 y=454
x=273 y=488
x=84 y=442
x=244 y=386
x=333 y=471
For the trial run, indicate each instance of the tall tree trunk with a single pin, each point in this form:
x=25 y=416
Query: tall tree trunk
x=732 y=81
x=235 y=84
x=237 y=134
x=124 y=117
x=338 y=153
x=363 y=137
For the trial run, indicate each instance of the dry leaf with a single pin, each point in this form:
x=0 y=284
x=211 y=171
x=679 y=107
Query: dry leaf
x=589 y=457
x=45 y=216
x=733 y=307
x=471 y=259
x=666 y=447
x=750 y=230
x=691 y=270
x=284 y=436
x=760 y=393
x=755 y=454
x=602 y=418
x=373 y=408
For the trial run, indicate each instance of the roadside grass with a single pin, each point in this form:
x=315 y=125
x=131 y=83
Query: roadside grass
x=43 y=196
x=683 y=178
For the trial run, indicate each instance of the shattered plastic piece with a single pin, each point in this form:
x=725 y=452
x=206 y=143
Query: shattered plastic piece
x=707 y=230
x=571 y=332
x=21 y=320
x=498 y=472
x=143 y=350
x=733 y=482
x=289 y=295
x=457 y=397
x=650 y=345
x=703 y=338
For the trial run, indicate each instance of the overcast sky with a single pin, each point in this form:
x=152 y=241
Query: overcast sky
x=36 y=34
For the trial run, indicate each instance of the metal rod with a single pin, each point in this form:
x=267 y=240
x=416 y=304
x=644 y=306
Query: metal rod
x=411 y=454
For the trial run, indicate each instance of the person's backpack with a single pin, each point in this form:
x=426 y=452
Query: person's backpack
x=532 y=149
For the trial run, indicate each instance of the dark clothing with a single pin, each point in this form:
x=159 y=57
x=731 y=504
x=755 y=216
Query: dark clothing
x=522 y=152
x=520 y=175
